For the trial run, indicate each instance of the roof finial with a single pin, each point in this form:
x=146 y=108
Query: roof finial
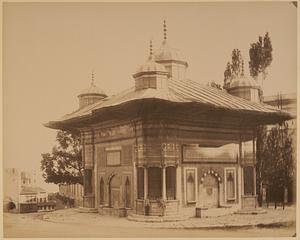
x=165 y=30
x=93 y=78
x=151 y=50
x=242 y=68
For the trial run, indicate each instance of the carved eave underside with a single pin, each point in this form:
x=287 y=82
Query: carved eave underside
x=198 y=113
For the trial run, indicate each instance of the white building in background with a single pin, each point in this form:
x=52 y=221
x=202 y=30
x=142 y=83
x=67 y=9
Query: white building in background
x=21 y=193
x=287 y=102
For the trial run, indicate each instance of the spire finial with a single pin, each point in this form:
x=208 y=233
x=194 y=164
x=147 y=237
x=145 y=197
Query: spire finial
x=165 y=30
x=93 y=78
x=242 y=68
x=151 y=49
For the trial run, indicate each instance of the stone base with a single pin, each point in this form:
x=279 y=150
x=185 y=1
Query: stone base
x=118 y=212
x=209 y=212
x=249 y=201
x=87 y=210
x=250 y=211
x=143 y=218
x=89 y=201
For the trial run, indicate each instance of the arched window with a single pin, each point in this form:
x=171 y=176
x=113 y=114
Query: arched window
x=190 y=185
x=140 y=182
x=230 y=186
x=171 y=182
x=154 y=182
x=127 y=193
x=248 y=180
x=101 y=191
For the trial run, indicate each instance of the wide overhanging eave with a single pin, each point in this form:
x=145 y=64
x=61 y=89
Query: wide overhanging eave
x=131 y=108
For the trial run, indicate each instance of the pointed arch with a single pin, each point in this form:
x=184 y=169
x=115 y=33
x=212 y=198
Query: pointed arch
x=127 y=193
x=101 y=191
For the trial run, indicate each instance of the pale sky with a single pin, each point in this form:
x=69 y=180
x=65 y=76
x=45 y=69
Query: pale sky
x=50 y=49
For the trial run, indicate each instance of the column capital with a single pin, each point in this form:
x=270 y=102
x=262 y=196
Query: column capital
x=145 y=166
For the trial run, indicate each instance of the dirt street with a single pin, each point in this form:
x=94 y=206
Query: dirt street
x=33 y=225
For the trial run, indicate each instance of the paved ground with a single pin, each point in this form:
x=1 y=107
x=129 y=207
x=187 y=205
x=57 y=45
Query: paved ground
x=69 y=223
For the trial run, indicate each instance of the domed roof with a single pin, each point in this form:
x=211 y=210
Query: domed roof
x=92 y=90
x=151 y=66
x=242 y=81
x=165 y=52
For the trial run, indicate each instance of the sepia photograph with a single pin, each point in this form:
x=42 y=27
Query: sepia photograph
x=149 y=119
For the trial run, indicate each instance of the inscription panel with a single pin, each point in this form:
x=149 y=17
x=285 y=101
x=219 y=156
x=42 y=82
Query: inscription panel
x=224 y=153
x=122 y=131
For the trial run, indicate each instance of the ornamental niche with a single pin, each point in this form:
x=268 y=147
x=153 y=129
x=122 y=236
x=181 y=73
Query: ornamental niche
x=212 y=173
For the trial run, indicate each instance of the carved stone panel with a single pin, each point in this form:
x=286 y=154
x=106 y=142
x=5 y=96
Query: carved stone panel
x=101 y=157
x=127 y=155
x=88 y=156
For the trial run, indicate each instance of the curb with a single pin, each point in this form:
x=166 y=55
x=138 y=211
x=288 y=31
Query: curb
x=228 y=226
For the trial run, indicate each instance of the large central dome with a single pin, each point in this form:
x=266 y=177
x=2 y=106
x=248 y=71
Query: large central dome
x=171 y=58
x=167 y=53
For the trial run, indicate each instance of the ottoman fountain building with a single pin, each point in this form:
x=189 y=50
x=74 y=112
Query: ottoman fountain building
x=169 y=142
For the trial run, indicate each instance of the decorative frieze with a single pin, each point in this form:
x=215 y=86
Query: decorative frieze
x=170 y=150
x=116 y=132
x=87 y=137
x=157 y=154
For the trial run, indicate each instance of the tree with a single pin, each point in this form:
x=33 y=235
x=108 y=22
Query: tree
x=227 y=75
x=235 y=68
x=64 y=163
x=261 y=139
x=237 y=62
x=260 y=54
x=275 y=159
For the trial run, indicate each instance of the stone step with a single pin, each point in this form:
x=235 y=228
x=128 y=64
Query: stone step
x=209 y=212
x=250 y=211
x=87 y=210
x=143 y=218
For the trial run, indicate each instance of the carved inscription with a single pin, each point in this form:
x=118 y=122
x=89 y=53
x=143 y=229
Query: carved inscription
x=225 y=153
x=118 y=131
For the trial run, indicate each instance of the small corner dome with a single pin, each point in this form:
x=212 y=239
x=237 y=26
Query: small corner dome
x=242 y=81
x=92 y=90
x=165 y=52
x=151 y=66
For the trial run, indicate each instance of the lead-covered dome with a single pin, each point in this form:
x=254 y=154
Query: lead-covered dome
x=244 y=87
x=91 y=95
x=167 y=53
x=243 y=81
x=92 y=90
x=151 y=74
x=150 y=66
